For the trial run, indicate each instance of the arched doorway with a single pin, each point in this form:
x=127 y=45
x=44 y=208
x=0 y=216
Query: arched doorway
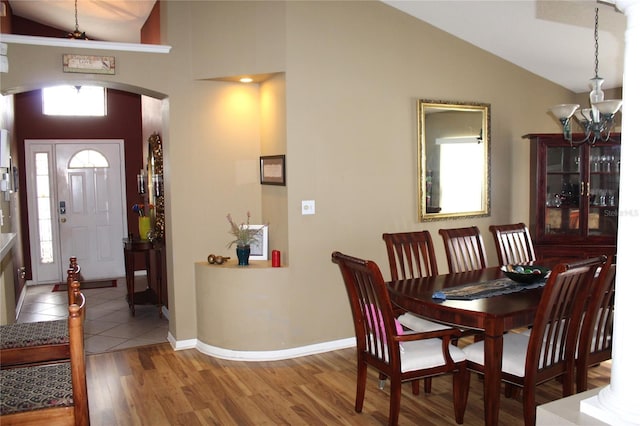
x=126 y=105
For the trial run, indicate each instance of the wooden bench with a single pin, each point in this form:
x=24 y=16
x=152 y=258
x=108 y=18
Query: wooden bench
x=46 y=340
x=49 y=393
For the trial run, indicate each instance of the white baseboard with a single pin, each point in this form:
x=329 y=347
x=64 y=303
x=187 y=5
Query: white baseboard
x=182 y=344
x=232 y=355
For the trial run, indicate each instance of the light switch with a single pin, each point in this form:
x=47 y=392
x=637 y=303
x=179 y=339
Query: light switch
x=308 y=207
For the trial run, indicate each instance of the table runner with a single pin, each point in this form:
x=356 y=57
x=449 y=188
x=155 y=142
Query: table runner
x=484 y=289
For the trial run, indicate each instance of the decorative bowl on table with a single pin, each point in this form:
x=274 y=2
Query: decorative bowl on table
x=525 y=274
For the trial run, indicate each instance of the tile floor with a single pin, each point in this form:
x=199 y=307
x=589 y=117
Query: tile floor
x=108 y=325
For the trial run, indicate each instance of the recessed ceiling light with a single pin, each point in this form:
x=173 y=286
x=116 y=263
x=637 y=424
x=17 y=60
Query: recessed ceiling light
x=246 y=80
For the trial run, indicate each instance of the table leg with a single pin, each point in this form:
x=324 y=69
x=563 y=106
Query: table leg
x=492 y=372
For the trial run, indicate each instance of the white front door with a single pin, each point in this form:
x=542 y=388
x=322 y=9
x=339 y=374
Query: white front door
x=76 y=207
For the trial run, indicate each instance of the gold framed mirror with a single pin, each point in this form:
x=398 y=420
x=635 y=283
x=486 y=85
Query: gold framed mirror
x=155 y=182
x=453 y=159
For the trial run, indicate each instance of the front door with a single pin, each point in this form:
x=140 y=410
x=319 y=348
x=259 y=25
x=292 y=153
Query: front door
x=76 y=196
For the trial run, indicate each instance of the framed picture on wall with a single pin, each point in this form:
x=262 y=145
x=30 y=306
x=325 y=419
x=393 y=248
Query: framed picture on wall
x=260 y=248
x=272 y=170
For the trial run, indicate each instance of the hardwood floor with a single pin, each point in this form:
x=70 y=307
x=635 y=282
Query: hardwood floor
x=155 y=385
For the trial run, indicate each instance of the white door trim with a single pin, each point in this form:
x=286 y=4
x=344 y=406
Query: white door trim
x=59 y=263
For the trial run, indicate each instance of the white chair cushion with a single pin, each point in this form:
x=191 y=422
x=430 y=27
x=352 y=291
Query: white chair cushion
x=514 y=353
x=416 y=323
x=421 y=354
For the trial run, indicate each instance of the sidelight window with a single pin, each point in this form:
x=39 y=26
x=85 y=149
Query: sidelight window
x=44 y=202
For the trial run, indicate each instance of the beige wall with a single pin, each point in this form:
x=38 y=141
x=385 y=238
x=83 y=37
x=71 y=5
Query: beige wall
x=344 y=112
x=273 y=136
x=7 y=293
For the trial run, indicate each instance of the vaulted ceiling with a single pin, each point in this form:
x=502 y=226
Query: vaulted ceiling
x=553 y=39
x=112 y=20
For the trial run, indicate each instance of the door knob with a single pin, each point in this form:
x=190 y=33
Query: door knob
x=63 y=220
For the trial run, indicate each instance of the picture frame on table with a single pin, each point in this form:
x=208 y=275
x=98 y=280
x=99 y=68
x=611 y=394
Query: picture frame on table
x=260 y=248
x=272 y=170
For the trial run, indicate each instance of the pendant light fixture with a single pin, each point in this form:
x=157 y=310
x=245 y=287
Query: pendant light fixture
x=76 y=34
x=596 y=121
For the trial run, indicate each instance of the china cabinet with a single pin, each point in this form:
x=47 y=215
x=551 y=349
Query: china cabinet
x=573 y=196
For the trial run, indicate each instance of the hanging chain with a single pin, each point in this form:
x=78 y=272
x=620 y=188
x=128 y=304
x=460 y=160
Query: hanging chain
x=595 y=36
x=77 y=30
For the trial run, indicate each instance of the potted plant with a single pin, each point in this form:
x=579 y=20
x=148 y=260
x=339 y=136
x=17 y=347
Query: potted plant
x=244 y=237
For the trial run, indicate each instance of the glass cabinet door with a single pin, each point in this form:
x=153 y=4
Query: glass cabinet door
x=563 y=193
x=604 y=181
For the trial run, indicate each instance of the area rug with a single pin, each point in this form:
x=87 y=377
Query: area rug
x=87 y=285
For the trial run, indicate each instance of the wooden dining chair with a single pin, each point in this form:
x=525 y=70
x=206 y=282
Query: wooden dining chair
x=411 y=255
x=381 y=344
x=50 y=393
x=464 y=248
x=548 y=352
x=513 y=243
x=40 y=341
x=596 y=335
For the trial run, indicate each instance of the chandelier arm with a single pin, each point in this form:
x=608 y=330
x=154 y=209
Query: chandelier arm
x=568 y=136
x=580 y=142
x=607 y=126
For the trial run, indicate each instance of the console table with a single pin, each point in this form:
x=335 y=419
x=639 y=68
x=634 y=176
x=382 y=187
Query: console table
x=154 y=257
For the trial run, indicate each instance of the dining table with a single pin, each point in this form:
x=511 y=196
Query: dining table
x=493 y=314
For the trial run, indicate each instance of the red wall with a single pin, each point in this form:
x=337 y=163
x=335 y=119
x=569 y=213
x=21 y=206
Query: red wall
x=123 y=121
x=150 y=31
x=22 y=26
x=5 y=21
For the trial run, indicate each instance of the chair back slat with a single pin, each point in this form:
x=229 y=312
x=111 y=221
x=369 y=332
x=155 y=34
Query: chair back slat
x=464 y=248
x=558 y=318
x=370 y=306
x=411 y=254
x=596 y=334
x=513 y=243
x=600 y=312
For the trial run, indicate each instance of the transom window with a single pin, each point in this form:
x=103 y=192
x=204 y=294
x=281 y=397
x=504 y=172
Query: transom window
x=74 y=101
x=88 y=158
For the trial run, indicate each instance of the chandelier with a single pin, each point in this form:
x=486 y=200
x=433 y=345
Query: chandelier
x=76 y=34
x=596 y=121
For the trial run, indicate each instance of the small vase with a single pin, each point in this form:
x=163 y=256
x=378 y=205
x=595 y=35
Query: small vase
x=144 y=226
x=243 y=255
